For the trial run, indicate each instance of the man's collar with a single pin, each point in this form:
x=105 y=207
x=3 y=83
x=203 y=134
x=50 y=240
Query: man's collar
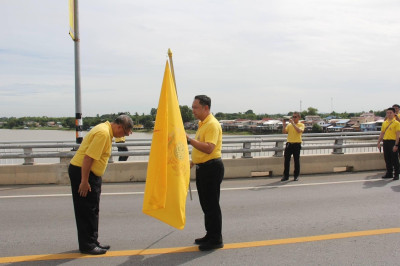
x=205 y=120
x=110 y=128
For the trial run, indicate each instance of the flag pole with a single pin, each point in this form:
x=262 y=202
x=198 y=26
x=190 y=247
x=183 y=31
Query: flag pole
x=176 y=90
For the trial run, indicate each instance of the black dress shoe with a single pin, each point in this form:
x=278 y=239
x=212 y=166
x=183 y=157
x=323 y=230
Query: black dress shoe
x=396 y=178
x=296 y=178
x=107 y=247
x=386 y=177
x=202 y=240
x=210 y=245
x=95 y=251
x=285 y=179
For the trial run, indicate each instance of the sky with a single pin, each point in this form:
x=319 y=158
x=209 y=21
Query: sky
x=269 y=56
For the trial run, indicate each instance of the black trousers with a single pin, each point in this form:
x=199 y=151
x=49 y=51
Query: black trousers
x=292 y=149
x=391 y=158
x=209 y=176
x=122 y=158
x=86 y=208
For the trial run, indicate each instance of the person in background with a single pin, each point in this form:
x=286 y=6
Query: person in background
x=206 y=155
x=85 y=170
x=396 y=111
x=390 y=133
x=121 y=148
x=293 y=145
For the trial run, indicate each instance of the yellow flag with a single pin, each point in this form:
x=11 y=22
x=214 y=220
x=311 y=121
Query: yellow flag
x=72 y=19
x=168 y=170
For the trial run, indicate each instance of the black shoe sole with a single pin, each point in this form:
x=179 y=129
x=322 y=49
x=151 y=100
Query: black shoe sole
x=210 y=247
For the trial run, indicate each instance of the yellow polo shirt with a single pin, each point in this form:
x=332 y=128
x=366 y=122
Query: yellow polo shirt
x=209 y=131
x=390 y=133
x=96 y=144
x=293 y=135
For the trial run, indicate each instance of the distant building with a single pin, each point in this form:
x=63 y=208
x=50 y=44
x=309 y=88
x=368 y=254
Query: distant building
x=368 y=126
x=379 y=124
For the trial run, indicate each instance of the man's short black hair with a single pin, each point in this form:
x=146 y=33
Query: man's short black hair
x=391 y=109
x=396 y=105
x=204 y=100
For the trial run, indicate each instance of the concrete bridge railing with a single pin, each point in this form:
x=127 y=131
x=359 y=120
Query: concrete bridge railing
x=345 y=155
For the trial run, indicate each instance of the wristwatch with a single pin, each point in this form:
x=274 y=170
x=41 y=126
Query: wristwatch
x=188 y=140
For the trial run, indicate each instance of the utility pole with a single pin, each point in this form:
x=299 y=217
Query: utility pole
x=74 y=32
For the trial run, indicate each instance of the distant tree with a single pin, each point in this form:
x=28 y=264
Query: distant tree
x=250 y=116
x=146 y=121
x=11 y=123
x=249 y=112
x=220 y=116
x=312 y=111
x=69 y=122
x=153 y=112
x=316 y=128
x=187 y=114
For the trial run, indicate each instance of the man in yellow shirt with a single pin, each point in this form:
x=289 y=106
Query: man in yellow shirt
x=122 y=148
x=396 y=111
x=206 y=155
x=390 y=133
x=293 y=145
x=85 y=171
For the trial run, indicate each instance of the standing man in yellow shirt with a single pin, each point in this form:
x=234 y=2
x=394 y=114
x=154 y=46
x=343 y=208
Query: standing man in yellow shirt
x=206 y=155
x=85 y=171
x=293 y=145
x=390 y=133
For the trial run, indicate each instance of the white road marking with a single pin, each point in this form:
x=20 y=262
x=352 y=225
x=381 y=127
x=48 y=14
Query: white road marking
x=283 y=185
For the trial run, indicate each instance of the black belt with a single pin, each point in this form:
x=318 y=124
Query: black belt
x=78 y=167
x=209 y=162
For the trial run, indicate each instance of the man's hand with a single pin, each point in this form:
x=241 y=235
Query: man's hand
x=379 y=147
x=191 y=164
x=84 y=188
x=395 y=148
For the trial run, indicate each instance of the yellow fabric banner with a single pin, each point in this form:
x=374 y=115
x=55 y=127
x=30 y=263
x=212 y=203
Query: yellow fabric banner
x=71 y=19
x=168 y=170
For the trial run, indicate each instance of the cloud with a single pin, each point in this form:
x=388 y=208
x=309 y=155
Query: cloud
x=261 y=55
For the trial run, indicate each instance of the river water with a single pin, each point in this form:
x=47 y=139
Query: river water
x=22 y=135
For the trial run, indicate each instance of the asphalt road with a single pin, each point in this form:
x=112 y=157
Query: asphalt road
x=340 y=219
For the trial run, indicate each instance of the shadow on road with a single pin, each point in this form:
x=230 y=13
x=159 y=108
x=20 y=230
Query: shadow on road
x=181 y=257
x=164 y=259
x=48 y=259
x=376 y=181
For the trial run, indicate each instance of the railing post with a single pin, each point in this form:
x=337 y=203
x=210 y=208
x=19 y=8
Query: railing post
x=65 y=160
x=247 y=145
x=279 y=144
x=27 y=160
x=338 y=150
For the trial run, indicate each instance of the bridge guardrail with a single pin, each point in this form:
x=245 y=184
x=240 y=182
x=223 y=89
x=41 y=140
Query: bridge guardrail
x=244 y=145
